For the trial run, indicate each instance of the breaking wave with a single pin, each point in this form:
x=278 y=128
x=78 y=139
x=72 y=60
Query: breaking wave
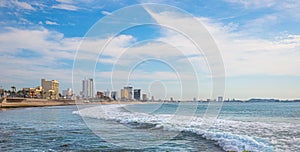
x=230 y=135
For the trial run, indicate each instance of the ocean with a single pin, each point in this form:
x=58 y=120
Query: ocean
x=255 y=126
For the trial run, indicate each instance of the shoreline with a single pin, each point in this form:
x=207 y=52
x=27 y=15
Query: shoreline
x=12 y=103
x=9 y=103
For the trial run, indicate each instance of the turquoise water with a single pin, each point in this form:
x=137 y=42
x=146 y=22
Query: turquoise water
x=261 y=126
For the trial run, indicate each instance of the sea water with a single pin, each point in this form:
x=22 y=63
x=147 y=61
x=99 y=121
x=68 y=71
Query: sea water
x=258 y=126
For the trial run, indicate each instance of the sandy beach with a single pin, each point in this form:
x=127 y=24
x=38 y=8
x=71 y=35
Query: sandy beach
x=27 y=102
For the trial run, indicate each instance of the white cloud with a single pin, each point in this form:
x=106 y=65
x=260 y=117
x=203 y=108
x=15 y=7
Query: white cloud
x=46 y=55
x=261 y=24
x=68 y=7
x=24 y=21
x=52 y=52
x=105 y=13
x=284 y=9
x=242 y=55
x=23 y=5
x=51 y=23
x=254 y=3
x=17 y=4
x=245 y=55
x=65 y=1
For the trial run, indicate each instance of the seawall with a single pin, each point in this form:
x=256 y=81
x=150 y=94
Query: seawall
x=26 y=102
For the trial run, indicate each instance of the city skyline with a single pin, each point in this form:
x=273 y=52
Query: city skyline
x=260 y=50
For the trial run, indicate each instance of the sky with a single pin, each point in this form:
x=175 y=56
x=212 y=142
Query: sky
x=182 y=49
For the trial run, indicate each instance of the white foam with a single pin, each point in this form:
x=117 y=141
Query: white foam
x=229 y=134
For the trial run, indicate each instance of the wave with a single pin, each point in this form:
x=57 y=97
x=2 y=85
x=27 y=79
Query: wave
x=230 y=135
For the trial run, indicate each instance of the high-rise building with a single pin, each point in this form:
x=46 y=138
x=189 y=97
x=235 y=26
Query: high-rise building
x=129 y=90
x=88 y=88
x=137 y=94
x=114 y=95
x=124 y=94
x=220 y=99
x=145 y=97
x=50 y=89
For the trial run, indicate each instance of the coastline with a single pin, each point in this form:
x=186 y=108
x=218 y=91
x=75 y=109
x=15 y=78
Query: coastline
x=10 y=103
x=28 y=102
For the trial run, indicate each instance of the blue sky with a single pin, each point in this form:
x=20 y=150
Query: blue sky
x=259 y=42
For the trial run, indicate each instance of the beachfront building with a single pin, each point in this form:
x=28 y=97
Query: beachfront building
x=67 y=94
x=137 y=94
x=31 y=92
x=145 y=97
x=99 y=95
x=220 y=99
x=114 y=95
x=87 y=88
x=107 y=93
x=124 y=95
x=50 y=89
x=152 y=98
x=129 y=90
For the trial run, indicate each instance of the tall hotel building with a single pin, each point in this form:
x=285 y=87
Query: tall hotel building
x=114 y=95
x=129 y=90
x=137 y=94
x=126 y=93
x=88 y=88
x=50 y=89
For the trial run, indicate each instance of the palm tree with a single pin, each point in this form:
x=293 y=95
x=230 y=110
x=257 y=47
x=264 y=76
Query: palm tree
x=19 y=93
x=13 y=88
x=9 y=92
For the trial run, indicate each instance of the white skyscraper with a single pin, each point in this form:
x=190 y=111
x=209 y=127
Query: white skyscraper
x=88 y=88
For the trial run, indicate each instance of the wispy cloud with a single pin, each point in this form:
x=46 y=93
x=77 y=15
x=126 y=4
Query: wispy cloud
x=255 y=3
x=28 y=55
x=68 y=7
x=17 y=4
x=244 y=55
x=37 y=52
x=65 y=1
x=105 y=13
x=282 y=8
x=51 y=23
